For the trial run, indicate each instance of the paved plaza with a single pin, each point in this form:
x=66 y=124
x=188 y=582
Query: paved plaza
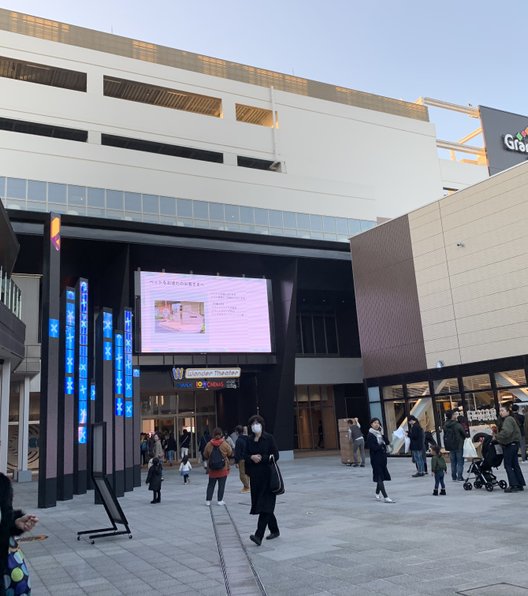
x=335 y=539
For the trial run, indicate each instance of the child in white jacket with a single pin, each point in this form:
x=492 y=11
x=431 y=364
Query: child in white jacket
x=185 y=468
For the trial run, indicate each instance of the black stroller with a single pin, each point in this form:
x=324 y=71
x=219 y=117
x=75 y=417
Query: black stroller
x=481 y=468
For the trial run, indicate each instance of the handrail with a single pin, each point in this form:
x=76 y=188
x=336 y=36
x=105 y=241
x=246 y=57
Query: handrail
x=10 y=294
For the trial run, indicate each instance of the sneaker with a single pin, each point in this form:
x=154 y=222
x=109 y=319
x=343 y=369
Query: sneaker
x=417 y=475
x=355 y=465
x=221 y=503
x=362 y=466
x=208 y=503
x=378 y=497
x=388 y=500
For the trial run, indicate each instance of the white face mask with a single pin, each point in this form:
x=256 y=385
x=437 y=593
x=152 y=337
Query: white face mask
x=256 y=428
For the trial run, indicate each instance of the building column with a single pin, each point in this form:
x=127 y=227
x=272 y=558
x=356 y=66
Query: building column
x=22 y=473
x=5 y=384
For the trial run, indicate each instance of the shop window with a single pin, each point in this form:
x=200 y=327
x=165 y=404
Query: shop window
x=394 y=418
x=481 y=413
x=418 y=389
x=510 y=378
x=444 y=386
x=393 y=392
x=422 y=408
x=476 y=383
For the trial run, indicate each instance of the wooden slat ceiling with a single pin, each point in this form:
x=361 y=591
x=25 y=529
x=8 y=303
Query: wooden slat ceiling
x=42 y=74
x=162 y=96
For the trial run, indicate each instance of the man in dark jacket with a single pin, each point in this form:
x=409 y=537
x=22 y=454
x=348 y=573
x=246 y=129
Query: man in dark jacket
x=454 y=437
x=240 y=454
x=416 y=435
x=519 y=418
x=509 y=437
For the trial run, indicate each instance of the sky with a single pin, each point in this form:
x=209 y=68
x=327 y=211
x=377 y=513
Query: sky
x=454 y=50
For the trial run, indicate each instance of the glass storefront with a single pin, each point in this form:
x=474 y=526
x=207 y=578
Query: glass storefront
x=476 y=397
x=194 y=411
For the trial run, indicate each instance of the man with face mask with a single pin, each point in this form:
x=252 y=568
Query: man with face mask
x=260 y=446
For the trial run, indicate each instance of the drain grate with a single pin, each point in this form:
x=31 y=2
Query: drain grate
x=501 y=589
x=240 y=577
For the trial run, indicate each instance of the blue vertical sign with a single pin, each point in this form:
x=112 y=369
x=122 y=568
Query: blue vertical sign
x=69 y=338
x=118 y=374
x=129 y=383
x=82 y=415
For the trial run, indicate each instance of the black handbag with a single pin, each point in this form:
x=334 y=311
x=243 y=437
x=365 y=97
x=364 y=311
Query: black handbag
x=276 y=481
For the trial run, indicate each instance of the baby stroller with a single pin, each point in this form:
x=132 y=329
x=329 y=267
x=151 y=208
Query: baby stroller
x=481 y=468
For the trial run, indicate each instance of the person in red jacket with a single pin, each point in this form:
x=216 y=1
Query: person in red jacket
x=217 y=453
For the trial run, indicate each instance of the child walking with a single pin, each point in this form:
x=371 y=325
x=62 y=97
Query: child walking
x=185 y=468
x=438 y=468
x=154 y=478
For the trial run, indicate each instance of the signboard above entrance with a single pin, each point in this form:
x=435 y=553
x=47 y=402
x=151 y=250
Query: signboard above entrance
x=180 y=373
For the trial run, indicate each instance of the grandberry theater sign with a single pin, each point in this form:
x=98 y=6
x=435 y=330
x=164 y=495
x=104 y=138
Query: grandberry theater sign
x=505 y=137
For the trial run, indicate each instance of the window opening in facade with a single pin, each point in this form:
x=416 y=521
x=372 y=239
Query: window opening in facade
x=43 y=74
x=253 y=115
x=164 y=97
x=317 y=334
x=43 y=130
x=162 y=148
x=258 y=164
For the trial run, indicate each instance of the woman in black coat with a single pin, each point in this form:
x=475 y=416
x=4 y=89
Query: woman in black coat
x=13 y=523
x=377 y=446
x=260 y=445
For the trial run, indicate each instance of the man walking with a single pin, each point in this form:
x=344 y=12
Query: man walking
x=454 y=437
x=416 y=435
x=240 y=454
x=519 y=418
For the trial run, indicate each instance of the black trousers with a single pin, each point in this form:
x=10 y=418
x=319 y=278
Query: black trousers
x=211 y=486
x=269 y=520
x=511 y=465
x=156 y=496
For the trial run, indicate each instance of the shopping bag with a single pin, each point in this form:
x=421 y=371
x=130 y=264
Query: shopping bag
x=469 y=449
x=276 y=481
x=16 y=574
x=407 y=444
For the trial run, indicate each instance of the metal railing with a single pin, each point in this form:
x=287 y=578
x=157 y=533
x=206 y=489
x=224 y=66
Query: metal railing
x=10 y=294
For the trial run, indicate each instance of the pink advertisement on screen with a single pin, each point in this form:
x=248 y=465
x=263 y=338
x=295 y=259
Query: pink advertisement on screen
x=202 y=313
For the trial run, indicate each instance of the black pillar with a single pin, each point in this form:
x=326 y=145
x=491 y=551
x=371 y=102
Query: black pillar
x=275 y=389
x=49 y=383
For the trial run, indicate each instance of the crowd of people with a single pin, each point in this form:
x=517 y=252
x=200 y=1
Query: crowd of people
x=506 y=439
x=249 y=448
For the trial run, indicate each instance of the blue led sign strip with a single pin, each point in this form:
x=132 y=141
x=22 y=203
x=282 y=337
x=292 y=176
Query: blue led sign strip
x=129 y=383
x=82 y=415
x=118 y=374
x=69 y=338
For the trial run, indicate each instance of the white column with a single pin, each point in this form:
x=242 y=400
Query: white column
x=5 y=383
x=23 y=474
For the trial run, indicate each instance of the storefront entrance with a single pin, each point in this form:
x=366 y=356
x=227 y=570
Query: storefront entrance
x=194 y=411
x=315 y=425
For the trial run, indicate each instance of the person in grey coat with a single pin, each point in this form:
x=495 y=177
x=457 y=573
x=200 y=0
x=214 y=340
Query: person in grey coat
x=358 y=442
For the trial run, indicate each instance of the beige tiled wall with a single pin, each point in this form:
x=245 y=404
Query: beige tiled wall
x=474 y=298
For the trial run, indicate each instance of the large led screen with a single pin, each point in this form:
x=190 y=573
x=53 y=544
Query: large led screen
x=203 y=313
